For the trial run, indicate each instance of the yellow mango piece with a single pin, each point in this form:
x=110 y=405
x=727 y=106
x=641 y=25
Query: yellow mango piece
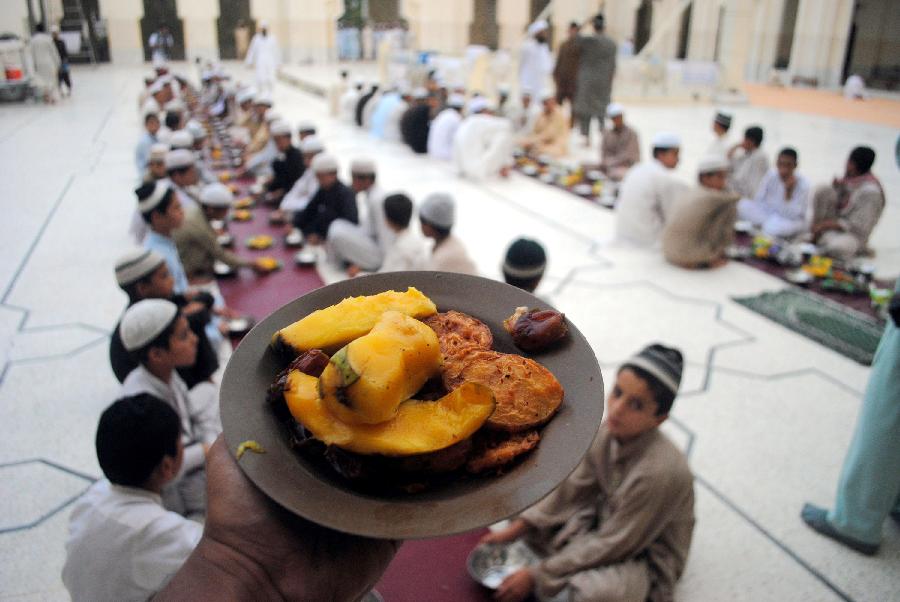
x=331 y=328
x=367 y=380
x=418 y=427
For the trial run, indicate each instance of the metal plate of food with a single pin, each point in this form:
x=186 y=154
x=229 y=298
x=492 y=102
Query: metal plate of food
x=319 y=494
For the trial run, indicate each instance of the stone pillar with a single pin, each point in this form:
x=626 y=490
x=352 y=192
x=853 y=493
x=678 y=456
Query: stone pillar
x=620 y=18
x=820 y=40
x=311 y=30
x=734 y=49
x=765 y=40
x=512 y=17
x=441 y=26
x=123 y=22
x=200 y=36
x=704 y=29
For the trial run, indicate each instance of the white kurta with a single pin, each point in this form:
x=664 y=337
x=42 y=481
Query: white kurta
x=348 y=103
x=747 y=172
x=123 y=545
x=535 y=65
x=482 y=146
x=440 y=136
x=46 y=60
x=298 y=197
x=265 y=56
x=776 y=215
x=718 y=147
x=407 y=253
x=451 y=256
x=392 y=125
x=647 y=197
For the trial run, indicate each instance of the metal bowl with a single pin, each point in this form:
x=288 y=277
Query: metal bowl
x=225 y=240
x=240 y=326
x=738 y=253
x=529 y=170
x=294 y=239
x=490 y=564
x=583 y=189
x=743 y=226
x=800 y=277
x=222 y=269
x=607 y=200
x=306 y=257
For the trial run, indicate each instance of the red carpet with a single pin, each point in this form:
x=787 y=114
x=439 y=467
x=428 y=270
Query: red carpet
x=433 y=570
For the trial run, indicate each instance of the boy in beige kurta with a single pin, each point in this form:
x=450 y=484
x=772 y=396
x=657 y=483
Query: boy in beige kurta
x=620 y=526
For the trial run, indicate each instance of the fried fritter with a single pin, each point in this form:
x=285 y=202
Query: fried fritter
x=527 y=394
x=495 y=450
x=471 y=330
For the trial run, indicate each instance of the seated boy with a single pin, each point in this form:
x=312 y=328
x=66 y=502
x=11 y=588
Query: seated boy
x=143 y=274
x=524 y=264
x=619 y=528
x=123 y=545
x=407 y=251
x=158 y=336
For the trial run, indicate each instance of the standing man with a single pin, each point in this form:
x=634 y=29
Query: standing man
x=535 y=60
x=721 y=125
x=565 y=74
x=265 y=57
x=161 y=43
x=596 y=67
x=46 y=63
x=619 y=147
x=63 y=73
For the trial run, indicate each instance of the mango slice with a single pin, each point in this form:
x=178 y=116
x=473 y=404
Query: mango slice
x=418 y=426
x=331 y=328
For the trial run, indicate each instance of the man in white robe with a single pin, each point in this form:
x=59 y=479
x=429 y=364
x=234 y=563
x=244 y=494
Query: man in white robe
x=648 y=194
x=265 y=56
x=349 y=100
x=749 y=163
x=483 y=144
x=779 y=207
x=443 y=128
x=46 y=63
x=719 y=145
x=535 y=60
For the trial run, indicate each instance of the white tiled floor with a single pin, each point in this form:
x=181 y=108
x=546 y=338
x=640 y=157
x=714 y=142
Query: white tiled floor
x=766 y=413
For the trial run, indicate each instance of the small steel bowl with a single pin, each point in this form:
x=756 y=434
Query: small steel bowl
x=490 y=564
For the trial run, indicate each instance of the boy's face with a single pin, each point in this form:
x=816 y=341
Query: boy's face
x=160 y=285
x=157 y=168
x=174 y=214
x=182 y=345
x=631 y=407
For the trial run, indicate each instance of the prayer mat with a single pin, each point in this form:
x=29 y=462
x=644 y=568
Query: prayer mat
x=846 y=331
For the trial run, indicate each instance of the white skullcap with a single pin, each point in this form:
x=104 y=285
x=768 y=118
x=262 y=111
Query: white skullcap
x=324 y=163
x=272 y=115
x=144 y=321
x=158 y=151
x=306 y=126
x=176 y=105
x=614 y=110
x=456 y=101
x=263 y=99
x=54 y=29
x=263 y=24
x=160 y=63
x=363 y=167
x=547 y=95
x=179 y=158
x=438 y=209
x=477 y=104
x=420 y=93
x=665 y=140
x=216 y=195
x=712 y=164
x=159 y=192
x=136 y=264
x=280 y=127
x=537 y=27
x=181 y=139
x=157 y=86
x=196 y=129
x=311 y=144
x=245 y=95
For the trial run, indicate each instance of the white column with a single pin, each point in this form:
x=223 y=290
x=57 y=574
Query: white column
x=512 y=19
x=201 y=38
x=737 y=29
x=620 y=17
x=704 y=28
x=765 y=39
x=820 y=39
x=311 y=29
x=123 y=22
x=441 y=26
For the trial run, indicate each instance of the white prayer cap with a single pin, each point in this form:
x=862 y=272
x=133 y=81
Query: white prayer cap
x=478 y=104
x=537 y=27
x=136 y=264
x=54 y=29
x=324 y=163
x=157 y=86
x=150 y=203
x=358 y=82
x=144 y=321
x=362 y=167
x=263 y=24
x=158 y=151
x=712 y=164
x=438 y=209
x=456 y=101
x=245 y=95
x=503 y=89
x=179 y=158
x=614 y=110
x=547 y=95
x=311 y=144
x=263 y=99
x=159 y=63
x=280 y=127
x=272 y=115
x=216 y=195
x=196 y=129
x=420 y=93
x=306 y=126
x=175 y=106
x=665 y=140
x=181 y=139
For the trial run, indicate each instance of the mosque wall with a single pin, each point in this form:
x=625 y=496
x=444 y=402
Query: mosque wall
x=123 y=25
x=200 y=34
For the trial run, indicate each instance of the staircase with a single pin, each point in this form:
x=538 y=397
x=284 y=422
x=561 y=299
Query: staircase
x=75 y=19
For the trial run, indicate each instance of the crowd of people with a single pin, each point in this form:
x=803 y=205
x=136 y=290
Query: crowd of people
x=619 y=527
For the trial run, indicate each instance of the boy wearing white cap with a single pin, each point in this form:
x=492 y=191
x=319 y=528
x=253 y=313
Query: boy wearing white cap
x=181 y=166
x=620 y=526
x=159 y=337
x=437 y=216
x=443 y=128
x=702 y=223
x=648 y=193
x=161 y=208
x=334 y=200
x=535 y=60
x=297 y=198
x=483 y=145
x=620 y=147
x=550 y=135
x=287 y=167
x=147 y=140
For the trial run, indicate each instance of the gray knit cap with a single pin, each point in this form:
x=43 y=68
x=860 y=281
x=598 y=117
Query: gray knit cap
x=664 y=363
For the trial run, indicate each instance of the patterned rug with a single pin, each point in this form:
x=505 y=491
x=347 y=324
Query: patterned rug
x=846 y=331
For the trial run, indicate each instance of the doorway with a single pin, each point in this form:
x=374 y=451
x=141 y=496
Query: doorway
x=484 y=30
x=235 y=28
x=642 y=25
x=158 y=13
x=873 y=47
